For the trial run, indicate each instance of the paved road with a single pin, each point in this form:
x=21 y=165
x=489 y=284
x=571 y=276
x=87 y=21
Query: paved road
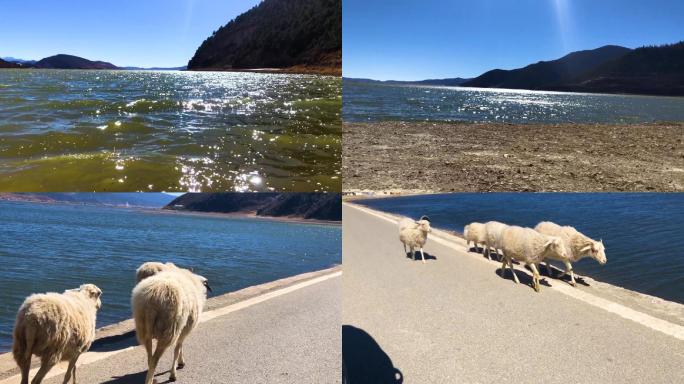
x=454 y=320
x=293 y=338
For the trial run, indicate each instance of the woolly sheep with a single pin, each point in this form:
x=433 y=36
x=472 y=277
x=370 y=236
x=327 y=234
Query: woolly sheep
x=476 y=233
x=576 y=244
x=530 y=247
x=151 y=268
x=493 y=234
x=414 y=235
x=56 y=327
x=167 y=307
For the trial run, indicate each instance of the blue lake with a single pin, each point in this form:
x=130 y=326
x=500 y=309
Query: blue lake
x=643 y=232
x=369 y=102
x=56 y=247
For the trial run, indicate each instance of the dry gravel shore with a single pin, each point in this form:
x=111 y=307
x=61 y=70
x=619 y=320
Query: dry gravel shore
x=470 y=157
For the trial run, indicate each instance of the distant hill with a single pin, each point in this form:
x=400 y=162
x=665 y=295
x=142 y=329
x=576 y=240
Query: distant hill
x=319 y=206
x=147 y=200
x=657 y=70
x=545 y=74
x=295 y=35
x=18 y=61
x=71 y=62
x=8 y=64
x=451 y=82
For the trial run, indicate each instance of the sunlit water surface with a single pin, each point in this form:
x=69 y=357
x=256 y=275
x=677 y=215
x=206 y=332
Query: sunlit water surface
x=364 y=102
x=66 y=130
x=56 y=247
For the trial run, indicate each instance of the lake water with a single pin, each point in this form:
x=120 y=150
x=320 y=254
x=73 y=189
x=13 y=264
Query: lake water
x=70 y=130
x=364 y=102
x=56 y=247
x=642 y=233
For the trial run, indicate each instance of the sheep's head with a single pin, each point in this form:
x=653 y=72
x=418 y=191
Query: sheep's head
x=205 y=283
x=92 y=292
x=596 y=251
x=424 y=225
x=555 y=245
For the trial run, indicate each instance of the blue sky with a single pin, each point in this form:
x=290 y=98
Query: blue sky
x=124 y=32
x=411 y=40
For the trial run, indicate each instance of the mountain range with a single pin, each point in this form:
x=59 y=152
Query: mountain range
x=318 y=206
x=653 y=70
x=147 y=200
x=450 y=82
x=287 y=35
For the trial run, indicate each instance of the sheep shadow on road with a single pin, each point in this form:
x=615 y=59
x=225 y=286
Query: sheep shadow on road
x=524 y=278
x=557 y=272
x=114 y=343
x=364 y=361
x=135 y=378
x=418 y=258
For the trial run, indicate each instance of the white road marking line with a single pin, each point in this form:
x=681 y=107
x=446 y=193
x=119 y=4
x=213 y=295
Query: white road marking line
x=652 y=322
x=92 y=357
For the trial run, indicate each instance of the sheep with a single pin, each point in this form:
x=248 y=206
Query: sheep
x=530 y=247
x=476 y=233
x=151 y=268
x=167 y=307
x=493 y=233
x=56 y=327
x=414 y=234
x=577 y=245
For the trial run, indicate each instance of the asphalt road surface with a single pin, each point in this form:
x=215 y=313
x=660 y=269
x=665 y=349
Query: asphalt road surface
x=455 y=320
x=293 y=338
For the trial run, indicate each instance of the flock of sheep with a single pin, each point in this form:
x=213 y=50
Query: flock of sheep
x=547 y=241
x=167 y=302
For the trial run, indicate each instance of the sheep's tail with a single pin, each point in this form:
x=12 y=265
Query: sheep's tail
x=22 y=348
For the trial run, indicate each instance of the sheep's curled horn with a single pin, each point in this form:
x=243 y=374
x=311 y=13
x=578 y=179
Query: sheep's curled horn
x=425 y=217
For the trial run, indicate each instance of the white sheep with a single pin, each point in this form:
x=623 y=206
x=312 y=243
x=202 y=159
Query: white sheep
x=56 y=327
x=167 y=307
x=151 y=268
x=529 y=247
x=475 y=233
x=493 y=235
x=577 y=245
x=414 y=235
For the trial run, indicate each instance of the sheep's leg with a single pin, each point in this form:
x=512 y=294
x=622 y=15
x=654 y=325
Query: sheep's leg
x=503 y=267
x=548 y=269
x=181 y=361
x=46 y=364
x=535 y=277
x=404 y=249
x=488 y=251
x=568 y=269
x=413 y=253
x=25 y=367
x=176 y=354
x=515 y=277
x=71 y=371
x=422 y=255
x=154 y=360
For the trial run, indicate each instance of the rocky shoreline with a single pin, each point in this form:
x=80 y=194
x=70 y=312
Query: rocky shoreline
x=497 y=157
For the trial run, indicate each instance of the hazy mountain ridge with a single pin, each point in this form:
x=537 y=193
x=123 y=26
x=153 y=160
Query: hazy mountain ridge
x=448 y=82
x=9 y=64
x=294 y=34
x=318 y=206
x=148 y=200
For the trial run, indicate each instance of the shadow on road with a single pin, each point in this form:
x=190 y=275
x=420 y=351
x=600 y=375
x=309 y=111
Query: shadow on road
x=113 y=343
x=363 y=361
x=418 y=258
x=524 y=278
x=135 y=378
